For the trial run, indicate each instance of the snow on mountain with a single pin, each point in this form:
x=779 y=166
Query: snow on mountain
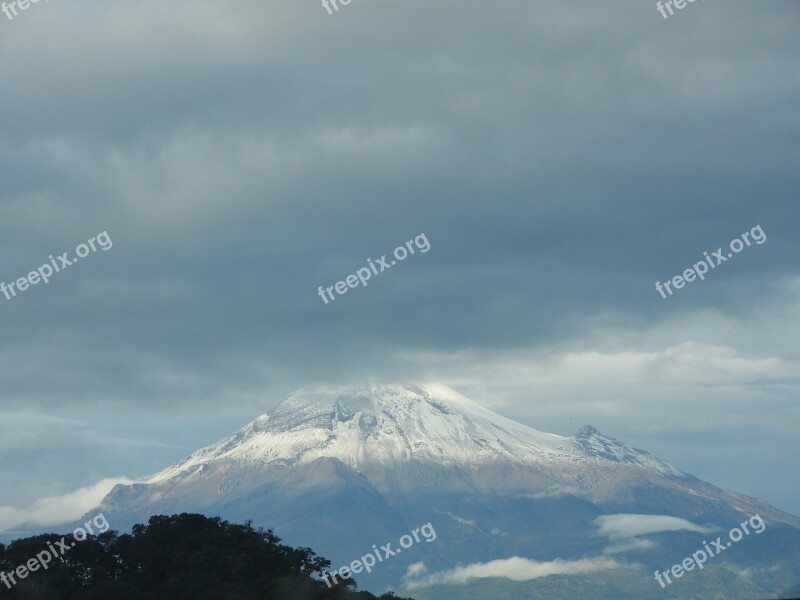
x=389 y=425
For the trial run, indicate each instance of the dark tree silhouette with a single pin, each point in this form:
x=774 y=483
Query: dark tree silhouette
x=186 y=556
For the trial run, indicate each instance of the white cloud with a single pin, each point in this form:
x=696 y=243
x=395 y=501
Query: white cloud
x=630 y=525
x=415 y=570
x=684 y=364
x=59 y=509
x=515 y=568
x=628 y=545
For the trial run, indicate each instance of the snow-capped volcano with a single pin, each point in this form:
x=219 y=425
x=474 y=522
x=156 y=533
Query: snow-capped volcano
x=386 y=426
x=342 y=469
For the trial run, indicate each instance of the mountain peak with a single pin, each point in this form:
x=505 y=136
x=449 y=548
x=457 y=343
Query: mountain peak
x=596 y=444
x=586 y=431
x=378 y=425
x=372 y=428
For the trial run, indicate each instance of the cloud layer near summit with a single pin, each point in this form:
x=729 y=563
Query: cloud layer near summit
x=560 y=158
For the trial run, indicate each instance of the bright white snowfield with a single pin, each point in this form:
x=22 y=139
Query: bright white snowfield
x=387 y=426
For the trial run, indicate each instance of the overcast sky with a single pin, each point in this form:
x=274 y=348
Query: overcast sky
x=560 y=157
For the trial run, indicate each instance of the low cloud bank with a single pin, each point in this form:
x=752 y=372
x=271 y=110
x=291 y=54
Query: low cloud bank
x=57 y=510
x=515 y=568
